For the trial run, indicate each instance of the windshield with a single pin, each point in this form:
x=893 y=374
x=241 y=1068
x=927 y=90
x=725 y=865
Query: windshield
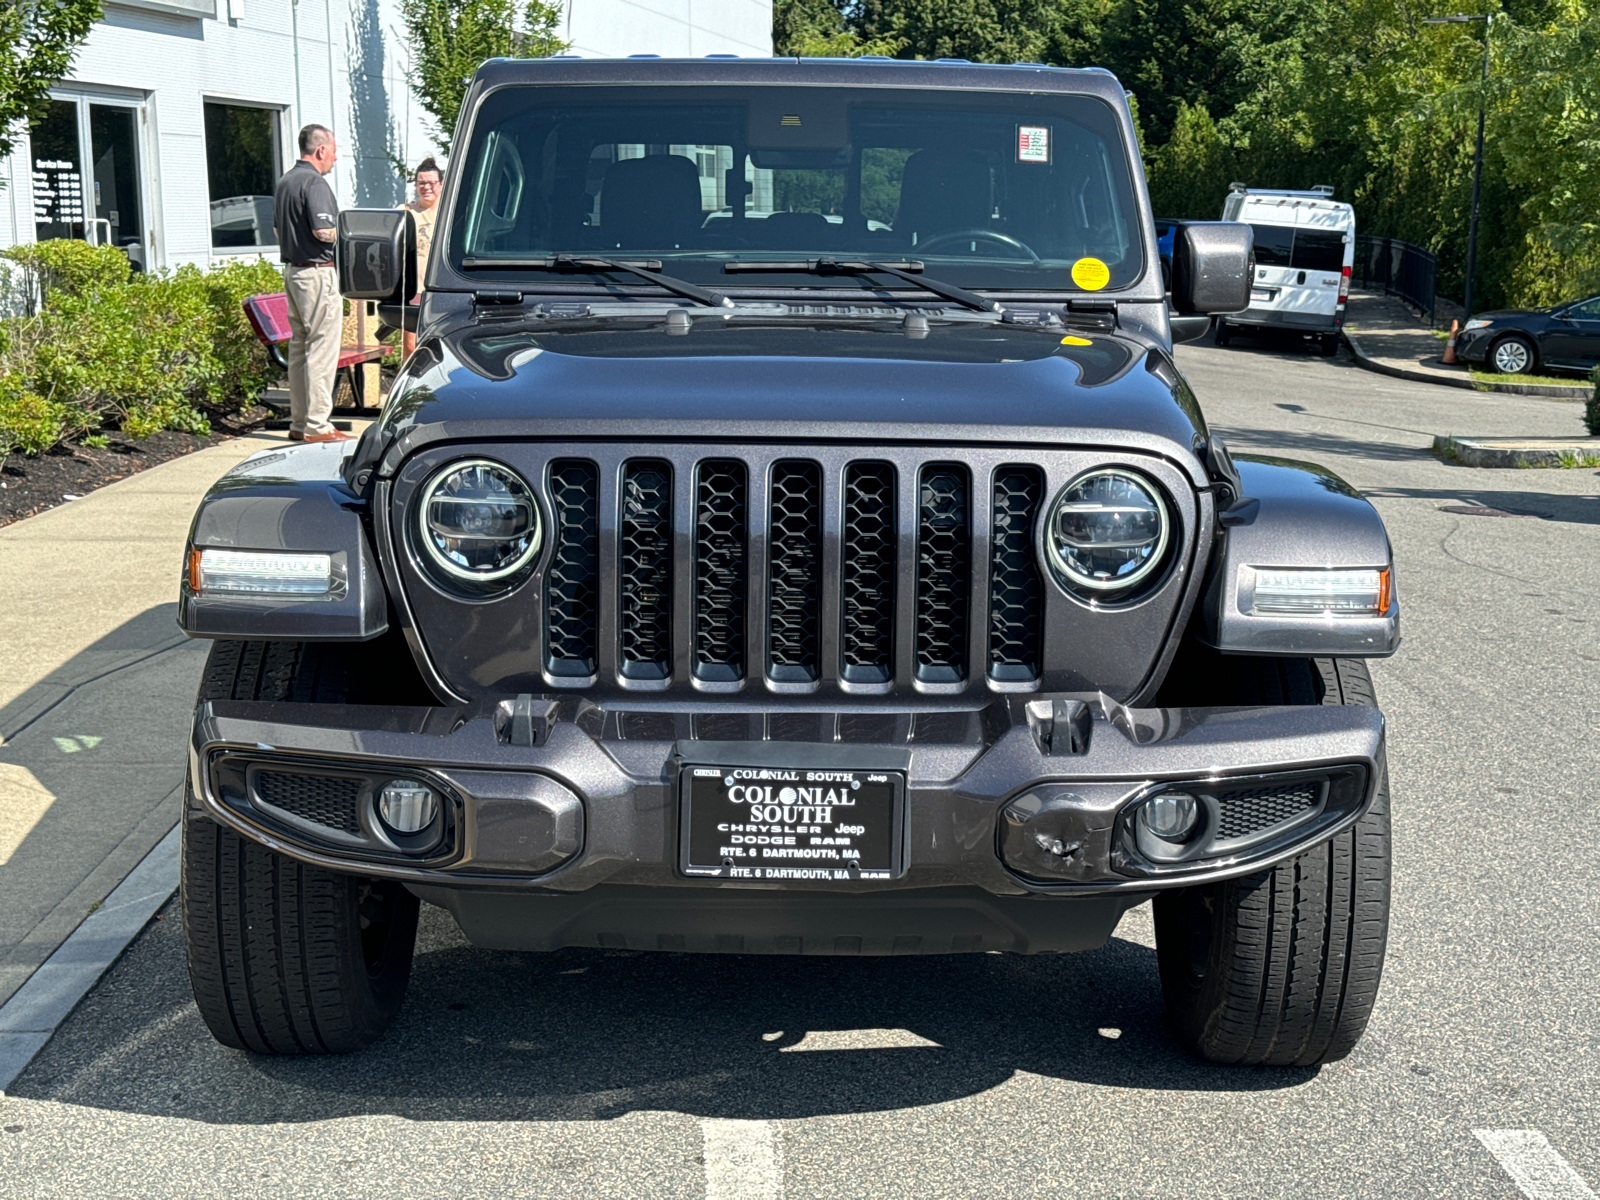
x=991 y=190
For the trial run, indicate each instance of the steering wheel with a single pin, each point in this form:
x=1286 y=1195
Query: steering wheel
x=991 y=235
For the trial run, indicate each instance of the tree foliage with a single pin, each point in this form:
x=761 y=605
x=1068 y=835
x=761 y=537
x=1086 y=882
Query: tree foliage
x=38 y=39
x=1359 y=94
x=450 y=39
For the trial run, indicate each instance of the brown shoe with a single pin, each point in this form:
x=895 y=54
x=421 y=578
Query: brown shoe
x=333 y=435
x=296 y=435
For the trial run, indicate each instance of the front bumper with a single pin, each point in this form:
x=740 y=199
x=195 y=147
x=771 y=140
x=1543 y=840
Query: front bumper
x=562 y=818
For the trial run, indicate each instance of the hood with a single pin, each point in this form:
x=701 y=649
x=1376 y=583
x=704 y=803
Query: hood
x=970 y=382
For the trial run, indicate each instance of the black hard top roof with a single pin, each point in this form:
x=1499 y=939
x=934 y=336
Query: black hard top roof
x=827 y=72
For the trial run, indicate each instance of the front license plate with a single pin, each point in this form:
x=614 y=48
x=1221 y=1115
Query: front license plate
x=778 y=823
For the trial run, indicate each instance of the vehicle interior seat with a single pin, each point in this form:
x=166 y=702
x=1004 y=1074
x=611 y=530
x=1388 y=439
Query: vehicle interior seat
x=942 y=191
x=796 y=231
x=650 y=203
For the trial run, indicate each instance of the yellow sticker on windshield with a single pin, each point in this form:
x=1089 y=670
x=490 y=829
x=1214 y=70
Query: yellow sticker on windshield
x=1090 y=274
x=1076 y=341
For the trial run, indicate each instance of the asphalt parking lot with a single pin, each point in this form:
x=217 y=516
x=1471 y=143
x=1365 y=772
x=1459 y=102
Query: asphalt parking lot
x=599 y=1074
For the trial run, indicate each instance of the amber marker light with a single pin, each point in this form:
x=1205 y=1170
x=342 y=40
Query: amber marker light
x=194 y=569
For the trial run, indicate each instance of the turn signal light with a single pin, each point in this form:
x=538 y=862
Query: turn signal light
x=307 y=576
x=1303 y=592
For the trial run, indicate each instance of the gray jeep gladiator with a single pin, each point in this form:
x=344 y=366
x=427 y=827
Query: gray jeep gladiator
x=790 y=536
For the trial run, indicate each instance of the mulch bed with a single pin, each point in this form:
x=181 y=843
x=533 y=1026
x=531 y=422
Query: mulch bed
x=70 y=472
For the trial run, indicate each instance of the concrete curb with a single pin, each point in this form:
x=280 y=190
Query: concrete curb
x=1509 y=452
x=1578 y=392
x=30 y=1018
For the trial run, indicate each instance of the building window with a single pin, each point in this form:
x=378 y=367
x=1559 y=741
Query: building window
x=242 y=168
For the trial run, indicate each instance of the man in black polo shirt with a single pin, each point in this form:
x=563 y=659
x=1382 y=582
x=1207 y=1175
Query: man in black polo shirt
x=304 y=213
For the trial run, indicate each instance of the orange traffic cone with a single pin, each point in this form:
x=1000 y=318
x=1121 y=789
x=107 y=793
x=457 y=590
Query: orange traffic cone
x=1449 y=358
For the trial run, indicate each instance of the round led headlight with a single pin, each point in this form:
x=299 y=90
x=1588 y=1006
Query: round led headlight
x=1107 y=532
x=479 y=520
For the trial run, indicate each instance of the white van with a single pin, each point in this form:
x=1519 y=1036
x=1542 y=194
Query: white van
x=1305 y=246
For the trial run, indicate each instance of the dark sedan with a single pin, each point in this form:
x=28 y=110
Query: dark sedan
x=1524 y=341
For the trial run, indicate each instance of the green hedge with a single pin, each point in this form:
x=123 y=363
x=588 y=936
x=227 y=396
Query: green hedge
x=110 y=349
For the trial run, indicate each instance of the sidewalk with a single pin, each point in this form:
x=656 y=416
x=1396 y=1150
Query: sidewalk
x=1386 y=337
x=96 y=690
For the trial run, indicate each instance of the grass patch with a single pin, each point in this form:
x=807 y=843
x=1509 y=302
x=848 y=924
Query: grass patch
x=1570 y=381
x=1571 y=459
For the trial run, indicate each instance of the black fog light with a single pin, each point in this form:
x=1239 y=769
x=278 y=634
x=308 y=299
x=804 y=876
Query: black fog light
x=1171 y=816
x=407 y=806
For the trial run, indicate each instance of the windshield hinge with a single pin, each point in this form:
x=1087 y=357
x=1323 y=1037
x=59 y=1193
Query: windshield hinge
x=496 y=297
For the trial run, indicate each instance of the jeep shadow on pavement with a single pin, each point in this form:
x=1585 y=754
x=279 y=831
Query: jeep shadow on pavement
x=791 y=536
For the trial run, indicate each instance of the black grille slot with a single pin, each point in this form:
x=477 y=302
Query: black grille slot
x=572 y=589
x=1016 y=599
x=944 y=573
x=1250 y=810
x=868 y=565
x=645 y=570
x=719 y=570
x=326 y=800
x=794 y=571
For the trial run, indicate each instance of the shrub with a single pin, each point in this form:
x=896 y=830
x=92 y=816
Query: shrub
x=139 y=353
x=28 y=422
x=66 y=267
x=1591 y=407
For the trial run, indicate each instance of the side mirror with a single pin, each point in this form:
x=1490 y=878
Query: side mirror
x=1213 y=263
x=376 y=253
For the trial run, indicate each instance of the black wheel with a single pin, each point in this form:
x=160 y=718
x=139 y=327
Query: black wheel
x=286 y=958
x=1330 y=345
x=1220 y=335
x=1514 y=355
x=1282 y=967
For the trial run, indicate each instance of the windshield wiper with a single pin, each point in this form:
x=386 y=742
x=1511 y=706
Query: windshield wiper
x=584 y=262
x=910 y=271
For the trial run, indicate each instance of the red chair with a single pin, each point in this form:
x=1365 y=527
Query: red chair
x=269 y=316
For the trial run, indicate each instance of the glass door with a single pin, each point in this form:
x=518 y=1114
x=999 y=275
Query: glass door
x=87 y=180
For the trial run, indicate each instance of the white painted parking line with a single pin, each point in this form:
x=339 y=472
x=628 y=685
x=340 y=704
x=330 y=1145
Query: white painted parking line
x=861 y=1039
x=1534 y=1164
x=744 y=1160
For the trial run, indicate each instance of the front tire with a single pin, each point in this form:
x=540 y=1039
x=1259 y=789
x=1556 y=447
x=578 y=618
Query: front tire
x=1281 y=968
x=1514 y=355
x=286 y=958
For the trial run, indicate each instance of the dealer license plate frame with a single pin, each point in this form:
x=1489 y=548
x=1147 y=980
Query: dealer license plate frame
x=884 y=867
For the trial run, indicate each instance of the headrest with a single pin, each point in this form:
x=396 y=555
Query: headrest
x=651 y=202
x=944 y=190
x=794 y=231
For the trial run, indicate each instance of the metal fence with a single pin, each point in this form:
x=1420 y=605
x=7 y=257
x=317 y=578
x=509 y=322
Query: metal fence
x=1399 y=268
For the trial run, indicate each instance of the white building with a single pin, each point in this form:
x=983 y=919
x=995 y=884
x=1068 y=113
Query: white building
x=179 y=115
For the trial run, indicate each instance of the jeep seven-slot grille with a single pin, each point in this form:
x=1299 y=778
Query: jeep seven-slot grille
x=572 y=590
x=645 y=571
x=1016 y=595
x=943 y=581
x=719 y=571
x=874 y=576
x=794 y=572
x=867 y=570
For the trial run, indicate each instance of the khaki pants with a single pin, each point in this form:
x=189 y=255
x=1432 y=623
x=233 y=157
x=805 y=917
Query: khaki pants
x=316 y=321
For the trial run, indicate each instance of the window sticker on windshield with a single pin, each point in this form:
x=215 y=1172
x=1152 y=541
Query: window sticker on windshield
x=1069 y=340
x=1090 y=274
x=1033 y=143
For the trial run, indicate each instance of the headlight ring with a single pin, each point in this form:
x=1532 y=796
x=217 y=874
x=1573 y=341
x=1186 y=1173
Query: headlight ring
x=478 y=521
x=1107 y=533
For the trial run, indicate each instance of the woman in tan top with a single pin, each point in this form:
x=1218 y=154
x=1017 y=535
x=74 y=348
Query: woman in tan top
x=430 y=183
